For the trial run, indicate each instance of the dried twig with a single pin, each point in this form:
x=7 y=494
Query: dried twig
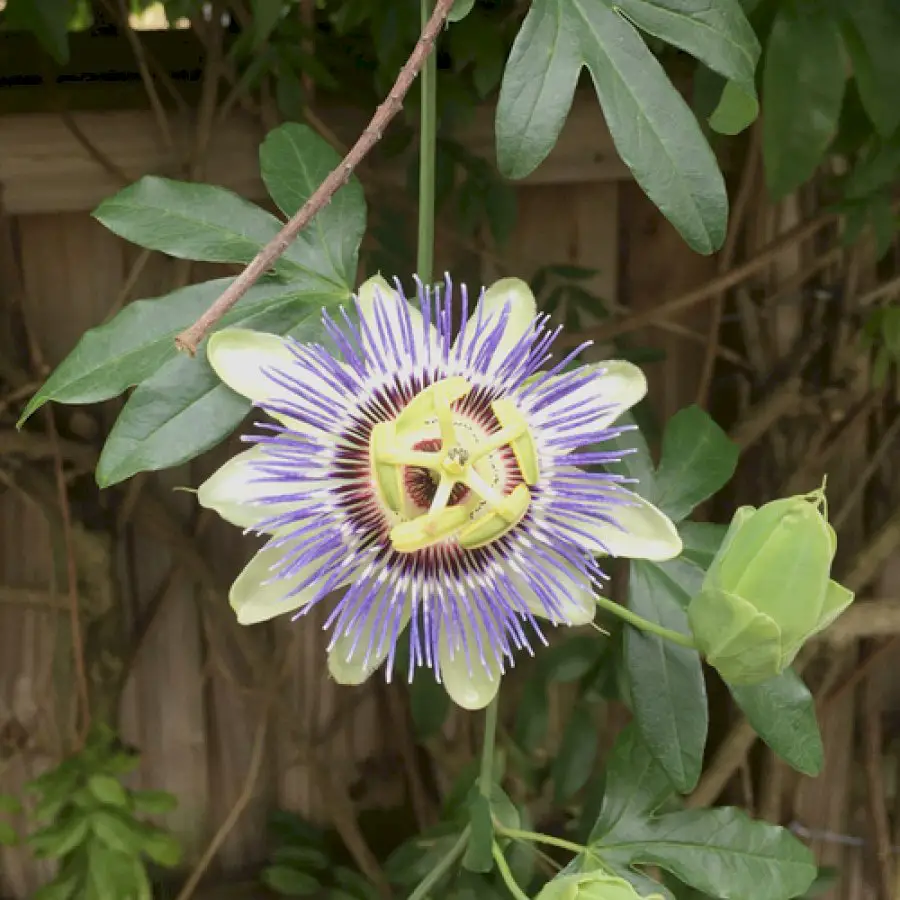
x=190 y=338
x=720 y=283
x=257 y=756
x=93 y=150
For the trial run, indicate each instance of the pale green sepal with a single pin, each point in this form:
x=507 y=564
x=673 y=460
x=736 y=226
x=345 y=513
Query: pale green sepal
x=255 y=601
x=742 y=644
x=471 y=683
x=348 y=664
x=837 y=599
x=234 y=492
x=376 y=288
x=517 y=295
x=740 y=518
x=786 y=554
x=641 y=531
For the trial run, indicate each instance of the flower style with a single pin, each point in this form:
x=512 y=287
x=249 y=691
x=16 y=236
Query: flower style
x=445 y=485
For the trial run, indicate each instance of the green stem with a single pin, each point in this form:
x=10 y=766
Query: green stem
x=438 y=872
x=486 y=775
x=427 y=141
x=505 y=873
x=535 y=837
x=645 y=624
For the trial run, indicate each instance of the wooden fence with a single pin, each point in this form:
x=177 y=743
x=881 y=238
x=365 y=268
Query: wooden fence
x=228 y=749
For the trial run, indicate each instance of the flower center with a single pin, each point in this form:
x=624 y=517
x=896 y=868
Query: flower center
x=421 y=484
x=437 y=486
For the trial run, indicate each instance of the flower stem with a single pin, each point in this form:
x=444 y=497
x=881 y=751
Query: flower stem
x=645 y=624
x=424 y=887
x=535 y=837
x=486 y=775
x=427 y=140
x=505 y=873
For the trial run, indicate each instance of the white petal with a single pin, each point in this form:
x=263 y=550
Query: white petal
x=643 y=531
x=522 y=311
x=239 y=356
x=377 y=289
x=232 y=489
x=467 y=680
x=574 y=599
x=617 y=386
x=622 y=385
x=254 y=601
x=348 y=664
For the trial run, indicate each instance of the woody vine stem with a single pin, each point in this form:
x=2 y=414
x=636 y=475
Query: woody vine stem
x=190 y=338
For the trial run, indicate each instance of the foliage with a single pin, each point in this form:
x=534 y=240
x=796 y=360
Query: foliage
x=95 y=827
x=304 y=863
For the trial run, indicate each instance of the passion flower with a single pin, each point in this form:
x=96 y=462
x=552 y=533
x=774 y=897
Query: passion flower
x=422 y=480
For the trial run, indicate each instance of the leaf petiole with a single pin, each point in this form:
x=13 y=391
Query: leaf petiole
x=643 y=624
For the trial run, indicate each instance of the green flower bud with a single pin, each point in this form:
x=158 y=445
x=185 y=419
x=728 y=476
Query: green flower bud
x=595 y=885
x=768 y=590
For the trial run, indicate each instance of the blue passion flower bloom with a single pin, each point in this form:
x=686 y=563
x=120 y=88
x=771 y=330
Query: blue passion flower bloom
x=421 y=479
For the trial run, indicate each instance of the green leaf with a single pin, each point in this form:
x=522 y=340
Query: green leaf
x=266 y=14
x=294 y=161
x=110 y=873
x=667 y=689
x=415 y=858
x=154 y=802
x=803 y=87
x=652 y=127
x=636 y=786
x=532 y=714
x=108 y=790
x=876 y=169
x=718 y=34
x=636 y=460
x=459 y=10
x=783 y=713
x=290 y=882
x=478 y=857
x=117 y=833
x=205 y=223
x=429 y=704
x=47 y=20
x=8 y=836
x=9 y=804
x=571 y=658
x=736 y=110
x=537 y=87
x=162 y=848
x=701 y=541
x=59 y=838
x=184 y=409
x=872 y=35
x=174 y=416
x=698 y=458
x=577 y=754
x=721 y=852
x=302 y=858
x=113 y=357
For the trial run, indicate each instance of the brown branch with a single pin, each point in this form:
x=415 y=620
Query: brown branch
x=190 y=338
x=729 y=279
